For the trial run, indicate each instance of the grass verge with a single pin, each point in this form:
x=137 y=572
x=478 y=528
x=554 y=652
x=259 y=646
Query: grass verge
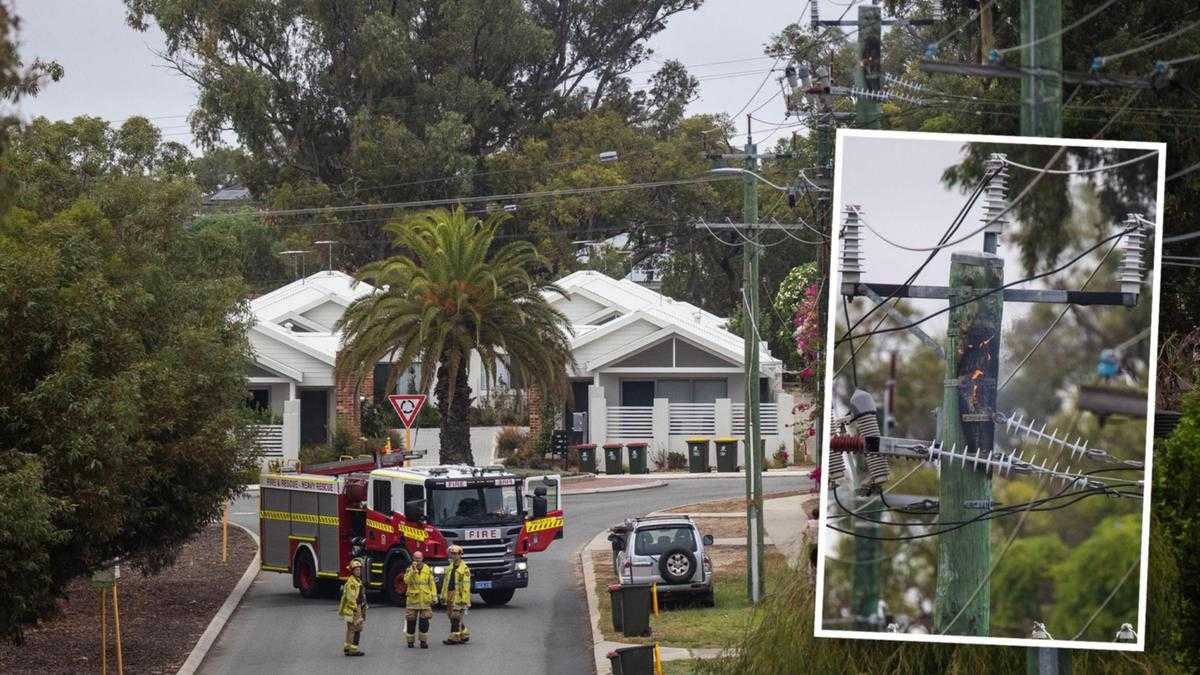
x=681 y=624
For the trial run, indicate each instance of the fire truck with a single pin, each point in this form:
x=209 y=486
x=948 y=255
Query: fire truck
x=312 y=523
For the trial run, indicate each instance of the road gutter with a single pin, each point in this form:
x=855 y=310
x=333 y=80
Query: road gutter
x=209 y=637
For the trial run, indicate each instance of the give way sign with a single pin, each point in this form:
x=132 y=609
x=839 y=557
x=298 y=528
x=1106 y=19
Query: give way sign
x=407 y=406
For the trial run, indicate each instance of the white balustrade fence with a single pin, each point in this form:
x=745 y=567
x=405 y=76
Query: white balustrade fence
x=692 y=419
x=630 y=423
x=768 y=415
x=268 y=438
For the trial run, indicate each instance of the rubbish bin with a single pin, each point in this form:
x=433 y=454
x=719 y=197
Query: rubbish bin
x=638 y=660
x=612 y=458
x=587 y=457
x=727 y=454
x=634 y=601
x=637 y=457
x=697 y=455
x=614 y=597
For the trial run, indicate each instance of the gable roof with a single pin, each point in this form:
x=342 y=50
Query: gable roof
x=286 y=303
x=687 y=320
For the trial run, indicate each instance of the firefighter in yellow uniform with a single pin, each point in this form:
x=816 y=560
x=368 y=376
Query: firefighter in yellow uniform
x=422 y=593
x=456 y=594
x=353 y=608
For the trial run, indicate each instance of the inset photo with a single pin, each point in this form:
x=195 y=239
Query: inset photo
x=986 y=456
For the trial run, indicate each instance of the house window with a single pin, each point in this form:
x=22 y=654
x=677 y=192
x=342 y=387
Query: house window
x=381 y=496
x=692 y=391
x=258 y=399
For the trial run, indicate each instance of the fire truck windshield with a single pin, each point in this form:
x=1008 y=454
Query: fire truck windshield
x=474 y=505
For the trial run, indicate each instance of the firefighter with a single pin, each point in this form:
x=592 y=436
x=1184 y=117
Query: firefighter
x=422 y=593
x=353 y=608
x=456 y=594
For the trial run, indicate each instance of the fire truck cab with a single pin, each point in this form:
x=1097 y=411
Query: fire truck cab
x=312 y=524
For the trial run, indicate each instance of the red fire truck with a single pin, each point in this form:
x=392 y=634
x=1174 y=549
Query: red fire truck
x=312 y=523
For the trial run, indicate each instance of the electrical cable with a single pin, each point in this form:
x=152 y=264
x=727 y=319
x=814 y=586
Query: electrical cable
x=950 y=230
x=1054 y=323
x=853 y=359
x=1074 y=172
x=1107 y=600
x=1082 y=20
x=498 y=197
x=996 y=290
x=1105 y=60
x=970 y=21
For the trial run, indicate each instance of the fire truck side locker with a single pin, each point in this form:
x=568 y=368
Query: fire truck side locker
x=300 y=529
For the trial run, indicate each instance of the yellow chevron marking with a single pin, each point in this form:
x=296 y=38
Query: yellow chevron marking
x=310 y=518
x=382 y=527
x=547 y=523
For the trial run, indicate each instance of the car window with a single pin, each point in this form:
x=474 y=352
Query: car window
x=659 y=540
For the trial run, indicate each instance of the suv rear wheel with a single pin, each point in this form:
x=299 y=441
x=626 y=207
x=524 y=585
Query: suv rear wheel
x=677 y=566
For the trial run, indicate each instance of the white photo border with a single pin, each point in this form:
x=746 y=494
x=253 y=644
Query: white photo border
x=830 y=335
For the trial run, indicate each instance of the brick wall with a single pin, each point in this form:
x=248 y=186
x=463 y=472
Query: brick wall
x=348 y=409
x=534 y=397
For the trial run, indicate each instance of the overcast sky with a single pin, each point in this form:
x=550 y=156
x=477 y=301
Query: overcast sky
x=112 y=72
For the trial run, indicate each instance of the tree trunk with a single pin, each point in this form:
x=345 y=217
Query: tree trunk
x=454 y=409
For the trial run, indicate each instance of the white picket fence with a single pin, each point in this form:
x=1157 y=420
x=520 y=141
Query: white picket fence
x=768 y=416
x=630 y=423
x=269 y=440
x=692 y=419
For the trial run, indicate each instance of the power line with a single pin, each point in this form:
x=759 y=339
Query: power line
x=496 y=197
x=1073 y=172
x=1100 y=61
x=1057 y=33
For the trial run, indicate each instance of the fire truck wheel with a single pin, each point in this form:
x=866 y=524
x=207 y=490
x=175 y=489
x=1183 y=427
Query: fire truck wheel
x=304 y=574
x=395 y=587
x=498 y=596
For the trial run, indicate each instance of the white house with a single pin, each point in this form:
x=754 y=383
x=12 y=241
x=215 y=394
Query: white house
x=649 y=368
x=646 y=367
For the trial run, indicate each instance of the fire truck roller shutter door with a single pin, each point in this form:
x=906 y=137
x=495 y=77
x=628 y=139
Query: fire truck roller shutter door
x=329 y=555
x=276 y=548
x=305 y=504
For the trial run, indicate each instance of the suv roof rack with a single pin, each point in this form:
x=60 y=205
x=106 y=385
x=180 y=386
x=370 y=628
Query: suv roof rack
x=677 y=516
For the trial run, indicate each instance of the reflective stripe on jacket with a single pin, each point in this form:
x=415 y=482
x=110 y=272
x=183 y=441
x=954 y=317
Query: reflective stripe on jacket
x=461 y=595
x=351 y=594
x=422 y=592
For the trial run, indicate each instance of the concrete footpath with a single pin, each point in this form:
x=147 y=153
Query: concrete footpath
x=784 y=519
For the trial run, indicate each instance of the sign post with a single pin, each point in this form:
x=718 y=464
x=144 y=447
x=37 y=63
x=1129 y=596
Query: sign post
x=407 y=406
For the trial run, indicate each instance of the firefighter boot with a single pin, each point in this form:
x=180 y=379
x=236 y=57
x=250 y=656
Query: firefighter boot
x=354 y=650
x=423 y=624
x=455 y=634
x=410 y=632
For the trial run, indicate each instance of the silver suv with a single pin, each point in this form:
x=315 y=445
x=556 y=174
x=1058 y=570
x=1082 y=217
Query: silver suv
x=663 y=550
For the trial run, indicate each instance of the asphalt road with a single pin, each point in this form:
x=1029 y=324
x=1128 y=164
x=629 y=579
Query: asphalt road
x=544 y=629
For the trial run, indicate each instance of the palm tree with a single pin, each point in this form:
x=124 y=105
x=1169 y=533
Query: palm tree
x=448 y=293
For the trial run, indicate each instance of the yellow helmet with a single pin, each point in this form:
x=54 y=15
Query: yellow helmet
x=455 y=549
x=354 y=562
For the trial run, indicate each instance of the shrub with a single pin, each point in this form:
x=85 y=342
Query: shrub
x=676 y=461
x=659 y=459
x=781 y=458
x=510 y=440
x=375 y=417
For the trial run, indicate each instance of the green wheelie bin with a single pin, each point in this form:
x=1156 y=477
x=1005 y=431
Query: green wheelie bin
x=587 y=457
x=637 y=457
x=697 y=455
x=612 y=458
x=727 y=454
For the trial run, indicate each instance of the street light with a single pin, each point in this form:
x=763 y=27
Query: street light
x=731 y=170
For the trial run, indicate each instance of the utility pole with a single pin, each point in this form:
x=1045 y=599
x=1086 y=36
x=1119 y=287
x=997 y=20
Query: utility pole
x=968 y=405
x=754 y=456
x=1041 y=94
x=867 y=75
